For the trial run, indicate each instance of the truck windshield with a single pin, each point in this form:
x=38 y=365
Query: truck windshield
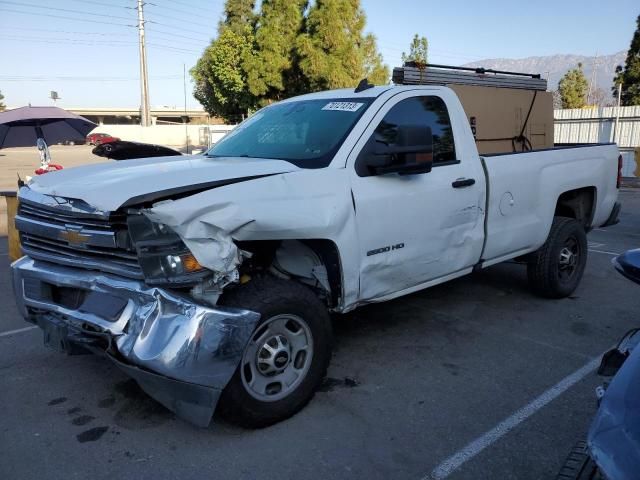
x=306 y=133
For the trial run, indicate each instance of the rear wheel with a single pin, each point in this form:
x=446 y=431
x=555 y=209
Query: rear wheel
x=555 y=270
x=285 y=359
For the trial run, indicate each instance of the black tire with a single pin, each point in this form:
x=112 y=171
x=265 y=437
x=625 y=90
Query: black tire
x=271 y=296
x=552 y=276
x=579 y=465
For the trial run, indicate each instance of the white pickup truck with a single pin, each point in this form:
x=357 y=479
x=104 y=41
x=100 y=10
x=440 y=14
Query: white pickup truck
x=209 y=279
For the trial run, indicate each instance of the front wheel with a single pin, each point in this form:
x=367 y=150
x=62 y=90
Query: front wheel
x=555 y=270
x=287 y=356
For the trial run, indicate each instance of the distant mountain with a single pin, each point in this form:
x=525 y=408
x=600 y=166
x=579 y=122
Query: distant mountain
x=555 y=66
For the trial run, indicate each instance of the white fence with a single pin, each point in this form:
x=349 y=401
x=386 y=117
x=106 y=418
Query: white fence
x=199 y=136
x=597 y=125
x=587 y=125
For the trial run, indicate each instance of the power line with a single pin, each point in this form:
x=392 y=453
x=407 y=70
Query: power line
x=66 y=10
x=188 y=22
x=102 y=4
x=183 y=3
x=182 y=12
x=179 y=35
x=66 y=40
x=154 y=30
x=110 y=43
x=58 y=31
x=87 y=43
x=65 y=18
x=177 y=49
x=67 y=78
x=200 y=43
x=101 y=34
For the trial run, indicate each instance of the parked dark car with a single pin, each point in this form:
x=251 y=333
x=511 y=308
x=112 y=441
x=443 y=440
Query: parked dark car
x=98 y=138
x=123 y=150
x=612 y=449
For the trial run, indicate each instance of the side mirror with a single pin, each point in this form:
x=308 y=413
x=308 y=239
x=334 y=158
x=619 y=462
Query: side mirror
x=412 y=152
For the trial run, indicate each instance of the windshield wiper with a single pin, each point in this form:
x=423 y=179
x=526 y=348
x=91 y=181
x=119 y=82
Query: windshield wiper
x=244 y=155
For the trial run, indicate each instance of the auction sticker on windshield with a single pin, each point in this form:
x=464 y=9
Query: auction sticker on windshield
x=343 y=106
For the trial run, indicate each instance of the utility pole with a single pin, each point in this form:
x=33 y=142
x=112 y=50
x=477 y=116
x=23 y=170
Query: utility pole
x=145 y=114
x=592 y=82
x=186 y=118
x=615 y=125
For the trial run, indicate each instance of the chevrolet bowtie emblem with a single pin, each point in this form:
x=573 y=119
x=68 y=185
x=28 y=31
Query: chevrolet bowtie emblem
x=74 y=237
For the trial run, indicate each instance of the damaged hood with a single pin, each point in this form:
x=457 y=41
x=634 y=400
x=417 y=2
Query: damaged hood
x=108 y=186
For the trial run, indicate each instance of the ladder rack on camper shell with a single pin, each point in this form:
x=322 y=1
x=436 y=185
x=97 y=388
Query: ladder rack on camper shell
x=430 y=74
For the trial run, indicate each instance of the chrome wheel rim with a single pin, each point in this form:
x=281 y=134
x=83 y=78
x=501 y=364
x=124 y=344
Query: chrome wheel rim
x=569 y=259
x=277 y=358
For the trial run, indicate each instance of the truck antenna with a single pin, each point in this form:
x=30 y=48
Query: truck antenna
x=363 y=85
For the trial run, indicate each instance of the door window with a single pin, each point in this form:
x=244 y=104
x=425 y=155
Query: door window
x=427 y=111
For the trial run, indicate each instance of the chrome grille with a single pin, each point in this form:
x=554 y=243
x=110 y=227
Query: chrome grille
x=75 y=237
x=49 y=214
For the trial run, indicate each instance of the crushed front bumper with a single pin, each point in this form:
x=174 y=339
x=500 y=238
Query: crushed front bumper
x=181 y=353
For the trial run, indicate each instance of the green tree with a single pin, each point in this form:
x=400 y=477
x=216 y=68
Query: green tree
x=329 y=49
x=573 y=88
x=373 y=65
x=2 y=105
x=629 y=76
x=220 y=76
x=285 y=50
x=417 y=51
x=273 y=71
x=333 y=52
x=238 y=14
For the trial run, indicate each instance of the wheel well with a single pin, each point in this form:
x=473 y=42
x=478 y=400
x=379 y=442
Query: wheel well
x=265 y=256
x=330 y=256
x=578 y=204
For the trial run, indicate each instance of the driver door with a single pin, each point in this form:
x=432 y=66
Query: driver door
x=416 y=228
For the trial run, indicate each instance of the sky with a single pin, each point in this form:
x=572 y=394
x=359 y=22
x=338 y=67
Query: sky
x=87 y=50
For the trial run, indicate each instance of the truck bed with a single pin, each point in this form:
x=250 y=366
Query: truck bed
x=523 y=190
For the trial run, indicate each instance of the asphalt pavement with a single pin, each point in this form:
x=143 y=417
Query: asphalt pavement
x=473 y=379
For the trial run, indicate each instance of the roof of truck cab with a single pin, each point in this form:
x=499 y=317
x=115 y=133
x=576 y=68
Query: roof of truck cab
x=350 y=92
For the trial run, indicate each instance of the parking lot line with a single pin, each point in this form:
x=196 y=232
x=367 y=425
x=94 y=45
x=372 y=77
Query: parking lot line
x=462 y=456
x=19 y=330
x=604 y=251
x=619 y=231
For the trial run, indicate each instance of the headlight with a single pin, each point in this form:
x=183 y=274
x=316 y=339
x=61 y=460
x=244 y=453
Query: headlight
x=163 y=257
x=173 y=265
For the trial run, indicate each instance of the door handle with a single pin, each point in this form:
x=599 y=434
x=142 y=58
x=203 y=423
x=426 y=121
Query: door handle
x=463 y=182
